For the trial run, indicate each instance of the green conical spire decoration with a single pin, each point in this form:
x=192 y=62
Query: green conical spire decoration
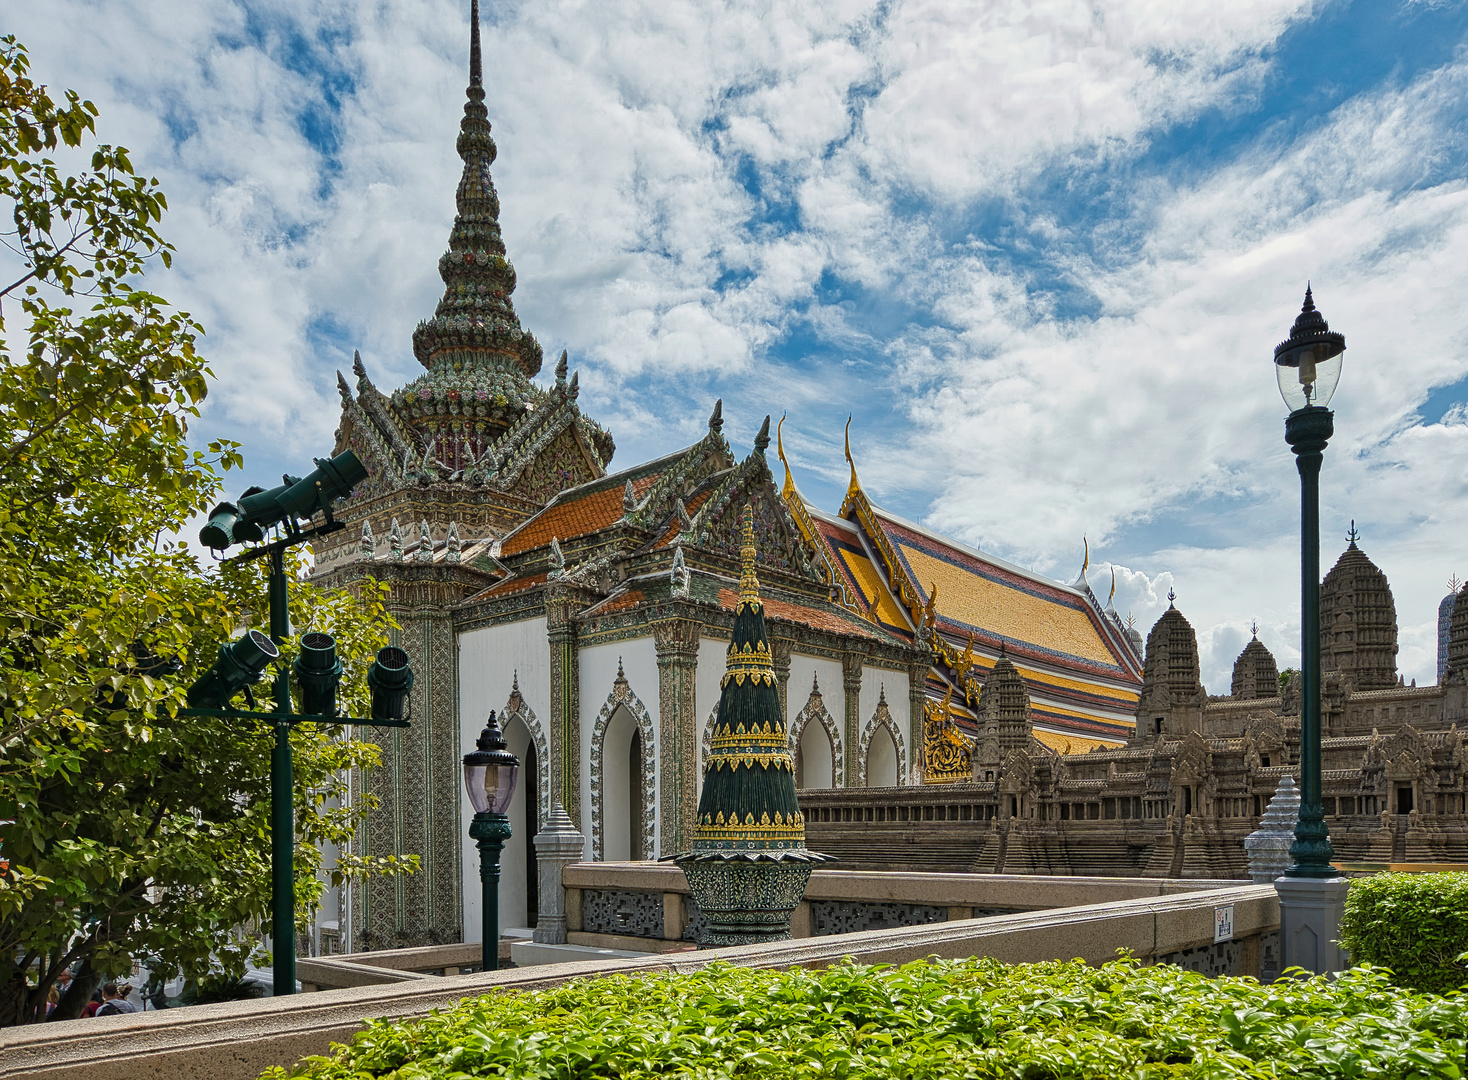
x=475 y=325
x=748 y=803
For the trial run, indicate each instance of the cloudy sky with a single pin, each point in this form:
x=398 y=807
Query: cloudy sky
x=1042 y=252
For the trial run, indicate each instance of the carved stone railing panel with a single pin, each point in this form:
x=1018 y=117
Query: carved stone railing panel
x=842 y=917
x=615 y=911
x=1224 y=958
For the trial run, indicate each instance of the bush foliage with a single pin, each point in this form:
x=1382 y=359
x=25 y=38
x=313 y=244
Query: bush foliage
x=1414 y=924
x=939 y=1019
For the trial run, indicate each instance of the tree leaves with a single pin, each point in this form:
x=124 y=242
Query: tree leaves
x=129 y=830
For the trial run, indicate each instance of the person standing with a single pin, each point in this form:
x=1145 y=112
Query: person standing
x=113 y=1003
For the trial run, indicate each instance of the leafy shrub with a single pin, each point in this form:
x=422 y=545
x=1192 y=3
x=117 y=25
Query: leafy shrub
x=1414 y=924
x=935 y=1020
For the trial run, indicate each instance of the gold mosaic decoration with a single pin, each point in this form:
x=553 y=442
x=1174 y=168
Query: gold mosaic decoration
x=945 y=750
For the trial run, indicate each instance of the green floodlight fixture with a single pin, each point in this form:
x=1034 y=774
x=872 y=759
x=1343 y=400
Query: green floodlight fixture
x=219 y=533
x=319 y=672
x=390 y=678
x=240 y=665
x=295 y=498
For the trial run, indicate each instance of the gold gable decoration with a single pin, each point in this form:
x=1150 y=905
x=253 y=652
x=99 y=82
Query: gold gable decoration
x=946 y=752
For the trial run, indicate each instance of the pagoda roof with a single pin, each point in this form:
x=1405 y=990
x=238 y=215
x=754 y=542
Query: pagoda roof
x=589 y=508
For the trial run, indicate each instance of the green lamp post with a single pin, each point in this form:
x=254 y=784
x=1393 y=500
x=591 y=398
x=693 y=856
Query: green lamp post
x=1307 y=366
x=490 y=775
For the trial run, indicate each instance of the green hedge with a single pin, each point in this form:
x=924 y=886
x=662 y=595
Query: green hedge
x=1414 y=924
x=933 y=1020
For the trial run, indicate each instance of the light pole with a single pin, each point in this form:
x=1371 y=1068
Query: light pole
x=242 y=663
x=490 y=774
x=1307 y=366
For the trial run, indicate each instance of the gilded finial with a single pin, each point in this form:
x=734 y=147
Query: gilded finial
x=1254 y=629
x=748 y=581
x=1171 y=596
x=788 y=487
x=1112 y=596
x=1353 y=535
x=1086 y=554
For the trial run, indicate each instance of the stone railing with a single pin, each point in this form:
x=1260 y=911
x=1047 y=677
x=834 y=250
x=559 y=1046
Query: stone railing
x=236 y=1041
x=646 y=907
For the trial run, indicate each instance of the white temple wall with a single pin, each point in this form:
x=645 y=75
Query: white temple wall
x=489 y=659
x=713 y=657
x=899 y=706
x=597 y=672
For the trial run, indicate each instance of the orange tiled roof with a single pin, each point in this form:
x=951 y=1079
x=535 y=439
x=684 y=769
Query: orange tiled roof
x=578 y=515
x=800 y=613
x=510 y=586
x=630 y=598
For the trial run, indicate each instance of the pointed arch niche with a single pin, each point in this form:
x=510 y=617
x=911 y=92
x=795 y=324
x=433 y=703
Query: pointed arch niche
x=816 y=749
x=623 y=777
x=881 y=758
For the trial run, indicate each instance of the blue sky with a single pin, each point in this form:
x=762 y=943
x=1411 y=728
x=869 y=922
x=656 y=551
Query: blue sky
x=1041 y=252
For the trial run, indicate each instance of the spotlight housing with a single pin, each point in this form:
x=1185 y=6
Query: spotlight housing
x=241 y=663
x=390 y=678
x=319 y=672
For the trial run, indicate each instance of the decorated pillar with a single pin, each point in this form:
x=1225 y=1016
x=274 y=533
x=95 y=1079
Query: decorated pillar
x=561 y=604
x=917 y=677
x=851 y=664
x=780 y=655
x=676 y=641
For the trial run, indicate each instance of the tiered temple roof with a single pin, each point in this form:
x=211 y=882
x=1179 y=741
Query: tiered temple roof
x=1079 y=667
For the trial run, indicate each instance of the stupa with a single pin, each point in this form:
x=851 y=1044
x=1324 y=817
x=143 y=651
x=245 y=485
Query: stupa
x=749 y=865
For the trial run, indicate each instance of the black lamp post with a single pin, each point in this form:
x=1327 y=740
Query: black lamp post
x=490 y=774
x=1308 y=366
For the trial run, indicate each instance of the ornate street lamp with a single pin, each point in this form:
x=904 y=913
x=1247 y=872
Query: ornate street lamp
x=490 y=774
x=1308 y=366
x=1312 y=894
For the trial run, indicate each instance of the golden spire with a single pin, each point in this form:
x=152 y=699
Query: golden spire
x=748 y=582
x=789 y=487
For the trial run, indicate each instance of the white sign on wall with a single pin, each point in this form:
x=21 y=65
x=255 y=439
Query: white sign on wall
x=1223 y=923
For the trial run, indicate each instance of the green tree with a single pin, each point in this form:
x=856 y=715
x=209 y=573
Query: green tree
x=127 y=830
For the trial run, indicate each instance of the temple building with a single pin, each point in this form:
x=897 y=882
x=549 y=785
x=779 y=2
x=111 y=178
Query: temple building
x=592 y=608
x=945 y=708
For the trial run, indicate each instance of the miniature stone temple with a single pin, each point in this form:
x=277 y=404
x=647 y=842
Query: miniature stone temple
x=749 y=865
x=978 y=714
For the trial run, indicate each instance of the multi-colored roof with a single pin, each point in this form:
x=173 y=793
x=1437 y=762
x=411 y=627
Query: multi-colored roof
x=1082 y=673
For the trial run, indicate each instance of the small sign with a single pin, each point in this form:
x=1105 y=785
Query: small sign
x=1223 y=923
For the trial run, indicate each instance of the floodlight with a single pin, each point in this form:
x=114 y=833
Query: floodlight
x=332 y=479
x=319 y=672
x=219 y=533
x=390 y=678
x=241 y=663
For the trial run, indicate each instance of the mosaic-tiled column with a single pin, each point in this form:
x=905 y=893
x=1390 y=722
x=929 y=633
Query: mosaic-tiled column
x=676 y=641
x=781 y=657
x=917 y=696
x=851 y=696
x=561 y=605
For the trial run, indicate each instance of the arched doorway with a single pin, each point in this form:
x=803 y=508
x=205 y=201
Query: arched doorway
x=519 y=900
x=624 y=825
x=815 y=758
x=882 y=758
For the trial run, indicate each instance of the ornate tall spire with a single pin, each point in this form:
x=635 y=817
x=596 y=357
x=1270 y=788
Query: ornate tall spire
x=475 y=325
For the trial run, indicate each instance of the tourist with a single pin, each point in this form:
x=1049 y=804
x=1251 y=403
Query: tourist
x=113 y=1003
x=91 y=1007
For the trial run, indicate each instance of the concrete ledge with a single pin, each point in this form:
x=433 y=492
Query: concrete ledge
x=537 y=954
x=238 y=1040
